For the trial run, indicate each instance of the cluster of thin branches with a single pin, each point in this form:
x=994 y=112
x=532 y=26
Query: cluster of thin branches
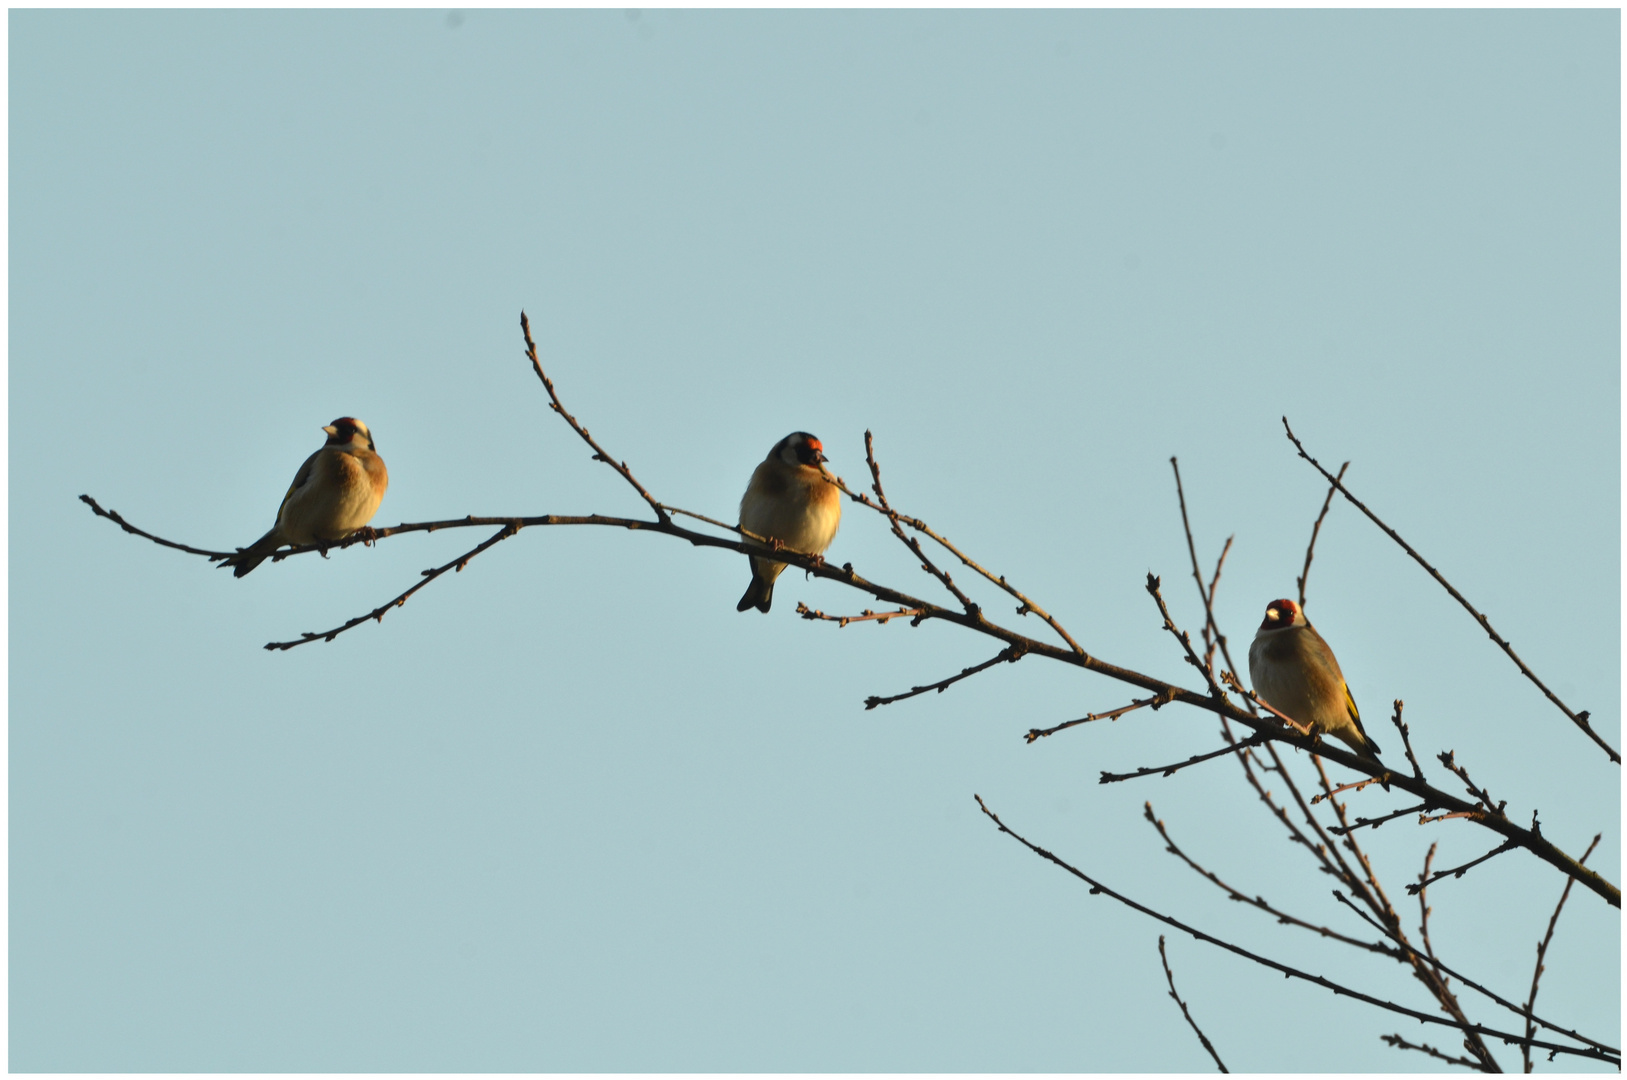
x=1251 y=731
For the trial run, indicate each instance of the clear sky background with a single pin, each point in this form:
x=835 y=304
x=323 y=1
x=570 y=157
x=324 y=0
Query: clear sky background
x=567 y=810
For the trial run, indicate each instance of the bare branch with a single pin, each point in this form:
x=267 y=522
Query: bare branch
x=1197 y=759
x=1260 y=901
x=1097 y=888
x=1204 y=1039
x=1009 y=656
x=1580 y=719
x=598 y=451
x=1317 y=528
x=1542 y=952
x=1112 y=714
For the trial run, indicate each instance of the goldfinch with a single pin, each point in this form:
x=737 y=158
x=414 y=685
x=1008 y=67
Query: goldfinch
x=1293 y=670
x=790 y=499
x=335 y=492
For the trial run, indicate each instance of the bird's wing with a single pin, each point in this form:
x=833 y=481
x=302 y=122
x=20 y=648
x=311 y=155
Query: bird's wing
x=1355 y=718
x=301 y=479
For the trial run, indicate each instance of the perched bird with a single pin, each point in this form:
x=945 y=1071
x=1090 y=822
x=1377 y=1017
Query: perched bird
x=790 y=499
x=335 y=492
x=1293 y=670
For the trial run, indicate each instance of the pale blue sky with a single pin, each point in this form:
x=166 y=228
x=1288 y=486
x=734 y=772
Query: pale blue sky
x=568 y=810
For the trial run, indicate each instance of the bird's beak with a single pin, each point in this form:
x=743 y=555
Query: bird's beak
x=819 y=455
x=330 y=429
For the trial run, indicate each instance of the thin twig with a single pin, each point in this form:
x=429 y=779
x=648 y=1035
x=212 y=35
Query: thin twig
x=1580 y=719
x=1211 y=629
x=1482 y=795
x=1354 y=785
x=1542 y=952
x=881 y=617
x=898 y=530
x=1192 y=547
x=117 y=519
x=1004 y=656
x=1097 y=888
x=598 y=451
x=1112 y=714
x=1170 y=977
x=1197 y=759
x=1154 y=590
x=1459 y=871
x=1218 y=639
x=1311 y=547
x=1401 y=1044
x=379 y=612
x=1363 y=823
x=1405 y=741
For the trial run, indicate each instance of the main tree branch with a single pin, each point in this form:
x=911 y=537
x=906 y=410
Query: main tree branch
x=974 y=619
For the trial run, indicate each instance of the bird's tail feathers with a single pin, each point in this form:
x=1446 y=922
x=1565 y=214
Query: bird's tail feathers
x=759 y=594
x=1365 y=749
x=256 y=553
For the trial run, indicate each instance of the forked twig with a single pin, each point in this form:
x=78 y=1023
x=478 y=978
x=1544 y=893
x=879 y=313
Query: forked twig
x=1170 y=977
x=920 y=526
x=1580 y=719
x=1098 y=888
